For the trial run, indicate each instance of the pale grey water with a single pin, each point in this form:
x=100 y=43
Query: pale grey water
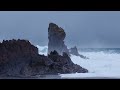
x=33 y=77
x=106 y=50
x=57 y=77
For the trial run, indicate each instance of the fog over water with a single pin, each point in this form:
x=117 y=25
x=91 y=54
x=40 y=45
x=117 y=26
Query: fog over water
x=98 y=29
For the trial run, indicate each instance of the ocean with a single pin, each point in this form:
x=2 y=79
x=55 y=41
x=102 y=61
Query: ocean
x=102 y=62
x=105 y=50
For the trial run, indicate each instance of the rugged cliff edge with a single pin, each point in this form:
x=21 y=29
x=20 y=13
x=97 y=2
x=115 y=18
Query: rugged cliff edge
x=21 y=58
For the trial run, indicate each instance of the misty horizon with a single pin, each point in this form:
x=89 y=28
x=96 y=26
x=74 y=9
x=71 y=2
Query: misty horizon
x=84 y=29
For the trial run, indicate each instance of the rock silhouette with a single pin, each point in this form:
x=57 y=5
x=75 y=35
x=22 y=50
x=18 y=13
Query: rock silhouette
x=64 y=64
x=74 y=51
x=21 y=58
x=56 y=36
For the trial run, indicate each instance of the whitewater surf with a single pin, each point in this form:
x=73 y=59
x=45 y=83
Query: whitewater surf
x=102 y=63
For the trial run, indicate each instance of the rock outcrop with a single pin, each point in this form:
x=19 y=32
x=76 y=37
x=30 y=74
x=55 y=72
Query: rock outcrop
x=15 y=55
x=74 y=51
x=63 y=64
x=56 y=36
x=21 y=58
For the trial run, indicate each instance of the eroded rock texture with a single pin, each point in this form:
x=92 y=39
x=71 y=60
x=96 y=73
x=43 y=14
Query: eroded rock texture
x=56 y=36
x=63 y=64
x=21 y=58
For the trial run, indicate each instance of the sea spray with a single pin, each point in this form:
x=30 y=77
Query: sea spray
x=102 y=63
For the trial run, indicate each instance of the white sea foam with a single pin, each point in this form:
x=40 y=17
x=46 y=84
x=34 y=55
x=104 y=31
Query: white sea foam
x=42 y=49
x=100 y=64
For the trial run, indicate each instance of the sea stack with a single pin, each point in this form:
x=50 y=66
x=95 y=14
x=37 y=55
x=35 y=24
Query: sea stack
x=19 y=58
x=56 y=36
x=74 y=51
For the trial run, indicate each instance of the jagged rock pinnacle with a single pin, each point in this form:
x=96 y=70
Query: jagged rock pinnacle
x=56 y=36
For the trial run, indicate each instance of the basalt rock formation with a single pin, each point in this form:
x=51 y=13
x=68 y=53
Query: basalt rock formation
x=74 y=51
x=56 y=36
x=21 y=58
x=63 y=64
x=15 y=55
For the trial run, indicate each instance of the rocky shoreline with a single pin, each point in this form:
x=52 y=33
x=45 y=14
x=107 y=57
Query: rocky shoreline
x=54 y=77
x=33 y=77
x=19 y=58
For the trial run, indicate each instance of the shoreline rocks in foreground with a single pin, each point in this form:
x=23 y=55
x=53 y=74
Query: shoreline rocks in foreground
x=21 y=58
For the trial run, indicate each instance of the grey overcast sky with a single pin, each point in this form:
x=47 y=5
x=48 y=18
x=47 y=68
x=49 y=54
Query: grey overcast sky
x=83 y=28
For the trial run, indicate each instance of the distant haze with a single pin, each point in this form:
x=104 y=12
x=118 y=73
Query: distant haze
x=86 y=29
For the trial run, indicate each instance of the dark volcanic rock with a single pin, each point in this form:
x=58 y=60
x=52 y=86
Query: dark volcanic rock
x=12 y=49
x=15 y=55
x=63 y=64
x=56 y=36
x=74 y=51
x=21 y=58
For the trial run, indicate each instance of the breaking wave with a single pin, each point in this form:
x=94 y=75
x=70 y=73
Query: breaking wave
x=101 y=63
x=42 y=49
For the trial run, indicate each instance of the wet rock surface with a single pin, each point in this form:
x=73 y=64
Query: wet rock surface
x=21 y=58
x=63 y=64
